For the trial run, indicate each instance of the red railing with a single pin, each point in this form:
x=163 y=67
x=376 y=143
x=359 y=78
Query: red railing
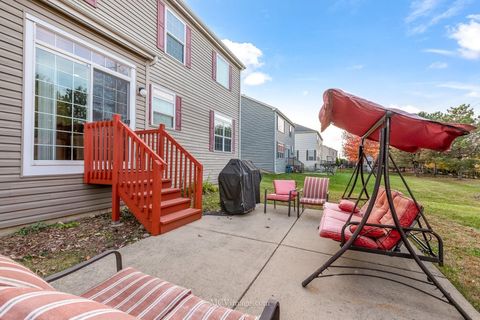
x=184 y=171
x=116 y=155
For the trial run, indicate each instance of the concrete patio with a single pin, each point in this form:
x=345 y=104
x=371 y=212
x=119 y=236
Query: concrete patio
x=248 y=259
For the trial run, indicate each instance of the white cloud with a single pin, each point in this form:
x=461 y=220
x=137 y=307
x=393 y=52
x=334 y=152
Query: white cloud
x=357 y=67
x=438 y=65
x=473 y=90
x=474 y=17
x=426 y=13
x=407 y=108
x=467 y=36
x=251 y=57
x=256 y=78
x=305 y=93
x=441 y=52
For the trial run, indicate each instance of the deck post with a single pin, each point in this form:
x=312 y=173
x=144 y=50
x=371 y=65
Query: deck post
x=116 y=137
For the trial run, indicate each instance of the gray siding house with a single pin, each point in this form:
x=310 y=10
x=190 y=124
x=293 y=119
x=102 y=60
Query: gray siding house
x=64 y=63
x=267 y=135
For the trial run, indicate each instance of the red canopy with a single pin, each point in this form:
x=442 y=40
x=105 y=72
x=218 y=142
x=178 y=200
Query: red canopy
x=409 y=132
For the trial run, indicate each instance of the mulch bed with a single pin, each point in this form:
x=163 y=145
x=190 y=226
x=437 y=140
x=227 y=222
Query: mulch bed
x=47 y=249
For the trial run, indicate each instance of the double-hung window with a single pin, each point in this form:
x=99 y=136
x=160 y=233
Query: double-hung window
x=163 y=107
x=280 y=151
x=311 y=155
x=175 y=36
x=223 y=71
x=223 y=133
x=280 y=124
x=67 y=83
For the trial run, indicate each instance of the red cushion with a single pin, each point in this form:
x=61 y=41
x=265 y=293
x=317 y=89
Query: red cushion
x=340 y=215
x=13 y=274
x=347 y=205
x=284 y=186
x=315 y=201
x=280 y=197
x=369 y=231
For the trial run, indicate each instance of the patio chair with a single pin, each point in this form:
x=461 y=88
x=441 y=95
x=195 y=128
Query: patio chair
x=285 y=191
x=314 y=192
x=127 y=295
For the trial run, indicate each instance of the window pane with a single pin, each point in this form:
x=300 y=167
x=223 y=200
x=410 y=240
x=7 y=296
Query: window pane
x=63 y=153
x=98 y=59
x=222 y=72
x=44 y=73
x=219 y=129
x=159 y=118
x=44 y=104
x=162 y=106
x=63 y=138
x=43 y=152
x=110 y=96
x=83 y=52
x=228 y=145
x=45 y=137
x=228 y=131
x=175 y=27
x=218 y=143
x=45 y=89
x=77 y=153
x=174 y=48
x=45 y=36
x=64 y=44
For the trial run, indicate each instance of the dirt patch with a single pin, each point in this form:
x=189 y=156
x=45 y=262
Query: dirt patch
x=47 y=249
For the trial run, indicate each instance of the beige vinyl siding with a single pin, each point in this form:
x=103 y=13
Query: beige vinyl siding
x=29 y=199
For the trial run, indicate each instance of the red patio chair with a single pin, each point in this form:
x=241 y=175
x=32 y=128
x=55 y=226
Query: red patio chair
x=285 y=191
x=314 y=192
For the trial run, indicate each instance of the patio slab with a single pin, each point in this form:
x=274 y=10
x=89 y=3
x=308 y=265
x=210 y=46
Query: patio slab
x=248 y=259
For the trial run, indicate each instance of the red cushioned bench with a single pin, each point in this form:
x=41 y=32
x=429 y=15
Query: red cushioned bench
x=335 y=216
x=128 y=294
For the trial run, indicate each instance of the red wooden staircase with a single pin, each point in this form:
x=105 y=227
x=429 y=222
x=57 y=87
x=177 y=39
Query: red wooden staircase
x=159 y=181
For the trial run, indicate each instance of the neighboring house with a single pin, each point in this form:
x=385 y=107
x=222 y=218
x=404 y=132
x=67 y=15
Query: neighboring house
x=309 y=146
x=63 y=63
x=328 y=154
x=267 y=135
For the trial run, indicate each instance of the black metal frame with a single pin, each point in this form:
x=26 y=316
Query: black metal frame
x=270 y=312
x=382 y=166
x=295 y=201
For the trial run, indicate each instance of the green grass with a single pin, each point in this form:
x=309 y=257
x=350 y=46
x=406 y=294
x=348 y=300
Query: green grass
x=451 y=205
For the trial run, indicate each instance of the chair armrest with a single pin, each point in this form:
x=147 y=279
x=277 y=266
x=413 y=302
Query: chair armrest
x=271 y=311
x=66 y=272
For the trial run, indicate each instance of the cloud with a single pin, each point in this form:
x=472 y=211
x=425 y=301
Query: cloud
x=473 y=90
x=251 y=56
x=427 y=13
x=407 y=108
x=305 y=93
x=438 y=65
x=357 y=67
x=467 y=36
x=441 y=52
x=256 y=78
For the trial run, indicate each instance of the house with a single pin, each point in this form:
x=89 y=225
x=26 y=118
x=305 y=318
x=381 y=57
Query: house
x=328 y=155
x=64 y=63
x=309 y=146
x=267 y=135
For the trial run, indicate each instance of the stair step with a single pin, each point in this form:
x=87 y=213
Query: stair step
x=165 y=192
x=179 y=218
x=178 y=215
x=145 y=181
x=174 y=202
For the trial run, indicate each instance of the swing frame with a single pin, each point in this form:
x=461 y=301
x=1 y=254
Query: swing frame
x=381 y=170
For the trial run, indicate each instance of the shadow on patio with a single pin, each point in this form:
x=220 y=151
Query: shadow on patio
x=244 y=260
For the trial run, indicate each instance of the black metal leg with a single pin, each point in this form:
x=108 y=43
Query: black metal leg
x=265 y=202
x=289 y=205
x=274 y=204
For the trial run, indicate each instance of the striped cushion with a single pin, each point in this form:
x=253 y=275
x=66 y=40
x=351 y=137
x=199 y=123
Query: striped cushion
x=28 y=303
x=194 y=308
x=13 y=274
x=138 y=294
x=312 y=201
x=315 y=188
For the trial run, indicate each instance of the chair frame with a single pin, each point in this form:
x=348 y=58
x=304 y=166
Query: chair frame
x=270 y=312
x=290 y=194
x=303 y=205
x=382 y=169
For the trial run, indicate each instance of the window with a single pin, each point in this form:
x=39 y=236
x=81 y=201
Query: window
x=163 y=107
x=280 y=124
x=223 y=133
x=280 y=151
x=290 y=130
x=311 y=155
x=223 y=72
x=175 y=36
x=67 y=83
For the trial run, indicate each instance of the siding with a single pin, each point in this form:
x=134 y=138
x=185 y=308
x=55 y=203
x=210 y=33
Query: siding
x=30 y=199
x=307 y=141
x=258 y=130
x=199 y=92
x=280 y=164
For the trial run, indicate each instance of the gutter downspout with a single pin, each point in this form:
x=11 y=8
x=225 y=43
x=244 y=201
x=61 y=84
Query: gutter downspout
x=149 y=94
x=275 y=122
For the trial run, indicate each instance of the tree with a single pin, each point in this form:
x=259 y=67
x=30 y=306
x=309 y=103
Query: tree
x=351 y=144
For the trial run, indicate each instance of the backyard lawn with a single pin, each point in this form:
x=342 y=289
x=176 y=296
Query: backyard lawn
x=452 y=207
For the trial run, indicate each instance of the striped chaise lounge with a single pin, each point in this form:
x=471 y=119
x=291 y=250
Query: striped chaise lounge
x=314 y=192
x=129 y=294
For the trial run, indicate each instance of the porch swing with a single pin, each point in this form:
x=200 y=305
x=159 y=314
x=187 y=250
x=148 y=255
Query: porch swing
x=389 y=218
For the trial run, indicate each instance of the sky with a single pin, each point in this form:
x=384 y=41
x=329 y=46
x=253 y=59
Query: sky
x=416 y=55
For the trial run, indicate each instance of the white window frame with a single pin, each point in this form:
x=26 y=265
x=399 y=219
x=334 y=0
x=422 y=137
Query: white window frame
x=184 y=35
x=283 y=127
x=219 y=56
x=164 y=90
x=31 y=167
x=284 y=148
x=224 y=119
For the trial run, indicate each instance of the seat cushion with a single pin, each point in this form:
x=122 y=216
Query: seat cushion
x=284 y=186
x=194 y=308
x=280 y=197
x=332 y=228
x=138 y=294
x=347 y=205
x=315 y=201
x=315 y=187
x=13 y=274
x=29 y=303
